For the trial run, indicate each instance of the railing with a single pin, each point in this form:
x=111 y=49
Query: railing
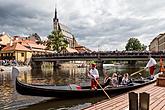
x=102 y=55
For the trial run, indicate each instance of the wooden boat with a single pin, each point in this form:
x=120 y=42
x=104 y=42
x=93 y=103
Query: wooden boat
x=71 y=91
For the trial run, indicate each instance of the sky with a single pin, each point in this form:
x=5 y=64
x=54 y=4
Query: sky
x=105 y=25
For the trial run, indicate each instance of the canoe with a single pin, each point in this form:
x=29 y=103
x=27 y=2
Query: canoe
x=74 y=91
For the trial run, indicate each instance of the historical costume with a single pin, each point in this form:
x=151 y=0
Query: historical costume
x=94 y=75
x=151 y=65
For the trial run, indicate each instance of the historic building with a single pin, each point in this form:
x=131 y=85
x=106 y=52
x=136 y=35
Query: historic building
x=17 y=52
x=20 y=49
x=4 y=40
x=73 y=45
x=65 y=31
x=158 y=43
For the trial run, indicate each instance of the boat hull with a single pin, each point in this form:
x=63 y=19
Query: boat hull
x=67 y=92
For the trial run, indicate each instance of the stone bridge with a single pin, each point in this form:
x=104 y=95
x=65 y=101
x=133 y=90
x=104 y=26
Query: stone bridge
x=97 y=56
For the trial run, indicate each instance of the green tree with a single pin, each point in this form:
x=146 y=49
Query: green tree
x=56 y=41
x=134 y=45
x=144 y=47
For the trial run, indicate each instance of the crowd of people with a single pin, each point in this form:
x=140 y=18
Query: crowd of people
x=117 y=80
x=114 y=81
x=8 y=62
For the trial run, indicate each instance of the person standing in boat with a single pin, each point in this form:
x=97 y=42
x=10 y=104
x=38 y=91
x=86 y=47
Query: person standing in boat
x=151 y=65
x=94 y=75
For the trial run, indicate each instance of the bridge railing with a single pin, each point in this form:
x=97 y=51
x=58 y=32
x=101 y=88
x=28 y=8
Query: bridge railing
x=108 y=54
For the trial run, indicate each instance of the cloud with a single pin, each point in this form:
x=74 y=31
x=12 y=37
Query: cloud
x=105 y=24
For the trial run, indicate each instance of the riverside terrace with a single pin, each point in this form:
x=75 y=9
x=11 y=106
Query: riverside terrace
x=103 y=55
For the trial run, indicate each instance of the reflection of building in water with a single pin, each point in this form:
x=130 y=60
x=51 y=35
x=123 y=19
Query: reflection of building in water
x=6 y=87
x=5 y=77
x=58 y=76
x=6 y=93
x=25 y=76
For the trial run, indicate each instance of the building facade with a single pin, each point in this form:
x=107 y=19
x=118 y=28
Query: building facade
x=73 y=45
x=20 y=49
x=158 y=43
x=57 y=26
x=17 y=52
x=4 y=40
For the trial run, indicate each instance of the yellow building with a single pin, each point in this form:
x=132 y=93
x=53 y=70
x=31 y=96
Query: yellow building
x=17 y=52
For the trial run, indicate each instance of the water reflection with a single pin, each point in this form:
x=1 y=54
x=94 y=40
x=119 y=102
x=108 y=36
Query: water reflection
x=11 y=100
x=55 y=77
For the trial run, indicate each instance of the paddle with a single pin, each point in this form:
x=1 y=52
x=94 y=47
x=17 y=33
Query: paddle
x=137 y=72
x=102 y=89
x=100 y=86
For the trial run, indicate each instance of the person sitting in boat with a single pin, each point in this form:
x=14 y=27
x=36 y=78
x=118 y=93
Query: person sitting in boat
x=120 y=77
x=125 y=79
x=114 y=80
x=151 y=65
x=107 y=80
x=94 y=75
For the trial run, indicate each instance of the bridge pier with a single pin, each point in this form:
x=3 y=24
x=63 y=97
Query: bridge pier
x=100 y=66
x=36 y=65
x=132 y=62
x=56 y=64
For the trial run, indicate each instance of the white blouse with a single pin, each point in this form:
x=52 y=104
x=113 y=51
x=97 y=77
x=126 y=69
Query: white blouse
x=93 y=73
x=151 y=62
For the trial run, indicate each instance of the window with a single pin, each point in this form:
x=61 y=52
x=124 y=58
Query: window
x=22 y=54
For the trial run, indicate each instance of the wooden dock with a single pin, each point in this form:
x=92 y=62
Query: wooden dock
x=121 y=102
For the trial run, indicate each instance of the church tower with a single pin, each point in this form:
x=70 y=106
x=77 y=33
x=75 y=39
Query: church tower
x=55 y=21
x=57 y=26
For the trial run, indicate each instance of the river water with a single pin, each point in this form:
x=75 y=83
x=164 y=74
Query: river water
x=11 y=100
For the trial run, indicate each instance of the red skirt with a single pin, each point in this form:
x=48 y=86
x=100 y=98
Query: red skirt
x=152 y=68
x=94 y=83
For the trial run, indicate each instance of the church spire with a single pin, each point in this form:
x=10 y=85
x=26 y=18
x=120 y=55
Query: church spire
x=55 y=15
x=55 y=19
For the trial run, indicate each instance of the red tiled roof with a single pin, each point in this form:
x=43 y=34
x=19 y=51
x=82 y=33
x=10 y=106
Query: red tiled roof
x=30 y=43
x=15 y=46
x=71 y=50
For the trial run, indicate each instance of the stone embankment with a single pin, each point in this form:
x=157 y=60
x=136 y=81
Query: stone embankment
x=9 y=68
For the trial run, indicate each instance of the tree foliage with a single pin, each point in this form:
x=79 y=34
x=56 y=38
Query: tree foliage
x=134 y=44
x=56 y=41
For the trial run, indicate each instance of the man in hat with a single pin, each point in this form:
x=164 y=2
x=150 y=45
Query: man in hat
x=151 y=65
x=94 y=75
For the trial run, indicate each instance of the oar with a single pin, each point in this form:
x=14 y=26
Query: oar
x=102 y=89
x=137 y=72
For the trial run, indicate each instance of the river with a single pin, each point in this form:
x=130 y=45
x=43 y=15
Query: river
x=11 y=100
